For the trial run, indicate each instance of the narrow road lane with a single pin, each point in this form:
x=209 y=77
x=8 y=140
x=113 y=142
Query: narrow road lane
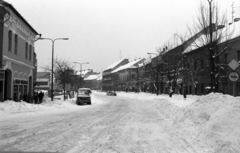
x=118 y=125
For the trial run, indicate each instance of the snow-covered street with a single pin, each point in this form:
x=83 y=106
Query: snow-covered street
x=129 y=122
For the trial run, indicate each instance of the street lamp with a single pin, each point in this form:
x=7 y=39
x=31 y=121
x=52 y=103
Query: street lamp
x=80 y=70
x=53 y=40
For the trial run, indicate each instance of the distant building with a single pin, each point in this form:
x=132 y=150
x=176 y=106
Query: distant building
x=80 y=81
x=126 y=77
x=93 y=81
x=43 y=81
x=16 y=54
x=197 y=61
x=85 y=73
x=107 y=83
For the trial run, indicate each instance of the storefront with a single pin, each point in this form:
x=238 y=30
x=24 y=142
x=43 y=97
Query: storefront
x=17 y=80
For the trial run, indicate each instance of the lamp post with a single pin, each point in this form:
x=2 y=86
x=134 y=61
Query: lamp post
x=53 y=40
x=81 y=70
x=212 y=66
x=156 y=70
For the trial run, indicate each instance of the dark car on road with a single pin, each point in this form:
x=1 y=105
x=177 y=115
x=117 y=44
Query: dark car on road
x=84 y=96
x=111 y=93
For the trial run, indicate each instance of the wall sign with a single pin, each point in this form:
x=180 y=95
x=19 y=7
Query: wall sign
x=233 y=76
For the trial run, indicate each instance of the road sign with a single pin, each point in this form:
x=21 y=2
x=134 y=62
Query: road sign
x=233 y=76
x=233 y=64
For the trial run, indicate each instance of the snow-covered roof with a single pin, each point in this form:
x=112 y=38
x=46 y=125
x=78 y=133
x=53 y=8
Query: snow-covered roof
x=232 y=31
x=114 y=64
x=92 y=77
x=128 y=65
x=99 y=76
x=84 y=72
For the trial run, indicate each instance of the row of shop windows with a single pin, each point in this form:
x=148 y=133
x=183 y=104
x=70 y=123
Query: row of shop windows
x=19 y=92
x=28 y=47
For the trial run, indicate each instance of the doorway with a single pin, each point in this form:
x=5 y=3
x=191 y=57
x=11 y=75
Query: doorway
x=7 y=85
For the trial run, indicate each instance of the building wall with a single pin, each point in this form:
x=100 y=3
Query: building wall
x=228 y=87
x=201 y=74
x=24 y=36
x=19 y=70
x=107 y=82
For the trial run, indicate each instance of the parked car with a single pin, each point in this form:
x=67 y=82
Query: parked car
x=111 y=93
x=84 y=96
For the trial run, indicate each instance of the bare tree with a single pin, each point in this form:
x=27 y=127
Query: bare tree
x=210 y=28
x=63 y=73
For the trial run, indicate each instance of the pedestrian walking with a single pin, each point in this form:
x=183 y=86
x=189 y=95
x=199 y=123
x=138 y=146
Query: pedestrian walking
x=40 y=95
x=36 y=97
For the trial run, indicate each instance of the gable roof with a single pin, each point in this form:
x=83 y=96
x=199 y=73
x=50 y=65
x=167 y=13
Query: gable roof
x=232 y=30
x=84 y=72
x=114 y=65
x=92 y=77
x=129 y=65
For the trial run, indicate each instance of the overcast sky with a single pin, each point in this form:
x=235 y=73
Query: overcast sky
x=103 y=31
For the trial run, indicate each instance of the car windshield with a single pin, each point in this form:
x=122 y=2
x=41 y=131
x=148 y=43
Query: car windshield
x=84 y=92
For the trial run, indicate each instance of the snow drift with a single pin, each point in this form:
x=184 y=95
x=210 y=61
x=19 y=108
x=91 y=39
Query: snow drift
x=210 y=123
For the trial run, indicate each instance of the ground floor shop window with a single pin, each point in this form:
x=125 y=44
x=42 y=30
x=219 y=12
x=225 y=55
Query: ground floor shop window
x=15 y=92
x=20 y=92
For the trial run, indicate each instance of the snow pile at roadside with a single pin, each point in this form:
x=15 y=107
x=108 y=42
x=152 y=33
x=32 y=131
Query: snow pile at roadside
x=176 y=99
x=13 y=109
x=211 y=122
x=216 y=118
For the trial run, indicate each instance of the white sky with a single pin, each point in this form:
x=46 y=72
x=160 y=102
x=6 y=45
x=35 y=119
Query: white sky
x=99 y=29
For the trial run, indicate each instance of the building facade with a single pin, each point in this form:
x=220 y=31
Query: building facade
x=18 y=38
x=93 y=82
x=107 y=83
x=43 y=81
x=126 y=77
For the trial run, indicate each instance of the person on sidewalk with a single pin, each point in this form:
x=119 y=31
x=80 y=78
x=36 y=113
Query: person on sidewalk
x=36 y=97
x=40 y=95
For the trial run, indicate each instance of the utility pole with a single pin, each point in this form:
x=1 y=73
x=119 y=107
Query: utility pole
x=232 y=12
x=80 y=71
x=211 y=50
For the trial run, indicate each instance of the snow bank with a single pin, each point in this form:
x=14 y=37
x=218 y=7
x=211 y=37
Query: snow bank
x=211 y=122
x=177 y=100
x=10 y=109
x=216 y=118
